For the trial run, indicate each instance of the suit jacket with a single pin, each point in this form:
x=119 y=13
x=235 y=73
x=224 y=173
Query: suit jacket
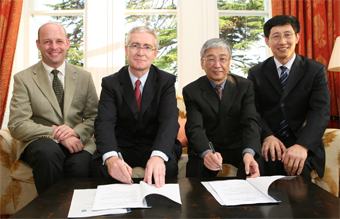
x=305 y=103
x=230 y=123
x=34 y=107
x=119 y=124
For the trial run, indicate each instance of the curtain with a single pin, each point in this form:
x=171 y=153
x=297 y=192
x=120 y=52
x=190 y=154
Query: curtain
x=320 y=26
x=10 y=13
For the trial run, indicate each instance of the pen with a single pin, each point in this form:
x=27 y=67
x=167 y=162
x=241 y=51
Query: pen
x=214 y=152
x=121 y=157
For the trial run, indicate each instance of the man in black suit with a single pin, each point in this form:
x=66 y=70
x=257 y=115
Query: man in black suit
x=293 y=100
x=220 y=109
x=138 y=116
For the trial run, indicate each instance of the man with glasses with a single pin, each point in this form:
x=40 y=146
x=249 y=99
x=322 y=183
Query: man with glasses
x=221 y=115
x=293 y=100
x=138 y=116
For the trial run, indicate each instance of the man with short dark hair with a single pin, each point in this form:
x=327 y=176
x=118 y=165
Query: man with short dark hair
x=293 y=100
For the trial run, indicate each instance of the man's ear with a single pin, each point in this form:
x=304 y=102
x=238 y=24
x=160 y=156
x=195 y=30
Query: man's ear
x=267 y=41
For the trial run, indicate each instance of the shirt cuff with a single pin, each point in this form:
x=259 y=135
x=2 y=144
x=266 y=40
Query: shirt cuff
x=160 y=154
x=248 y=150
x=109 y=154
x=204 y=153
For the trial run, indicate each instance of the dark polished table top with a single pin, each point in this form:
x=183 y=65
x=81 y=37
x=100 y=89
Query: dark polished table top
x=299 y=199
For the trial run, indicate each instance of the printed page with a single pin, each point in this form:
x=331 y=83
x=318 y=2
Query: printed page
x=241 y=192
x=82 y=202
x=118 y=196
x=170 y=191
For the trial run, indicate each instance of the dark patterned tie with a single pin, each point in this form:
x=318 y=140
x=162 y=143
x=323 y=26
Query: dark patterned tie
x=58 y=89
x=219 y=91
x=283 y=126
x=138 y=94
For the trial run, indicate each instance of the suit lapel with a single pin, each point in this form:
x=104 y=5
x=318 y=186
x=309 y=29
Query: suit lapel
x=149 y=90
x=209 y=95
x=44 y=84
x=272 y=75
x=71 y=77
x=229 y=94
x=127 y=92
x=294 y=77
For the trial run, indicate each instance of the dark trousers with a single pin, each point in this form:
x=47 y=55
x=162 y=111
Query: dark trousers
x=138 y=156
x=51 y=161
x=196 y=168
x=277 y=167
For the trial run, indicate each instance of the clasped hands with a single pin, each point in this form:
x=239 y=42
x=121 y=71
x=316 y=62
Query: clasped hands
x=68 y=138
x=293 y=158
x=251 y=166
x=155 y=168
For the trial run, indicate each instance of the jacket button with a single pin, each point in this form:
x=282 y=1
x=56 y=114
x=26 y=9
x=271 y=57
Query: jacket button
x=282 y=105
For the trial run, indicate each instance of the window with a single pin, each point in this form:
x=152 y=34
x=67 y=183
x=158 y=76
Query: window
x=241 y=24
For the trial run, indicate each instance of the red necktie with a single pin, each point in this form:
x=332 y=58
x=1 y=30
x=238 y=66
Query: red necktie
x=138 y=94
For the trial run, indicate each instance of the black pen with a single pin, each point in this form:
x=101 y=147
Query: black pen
x=214 y=152
x=121 y=157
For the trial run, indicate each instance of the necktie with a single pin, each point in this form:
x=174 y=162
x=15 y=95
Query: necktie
x=138 y=94
x=219 y=91
x=58 y=88
x=283 y=126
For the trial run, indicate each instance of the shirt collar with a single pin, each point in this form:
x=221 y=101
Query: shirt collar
x=142 y=79
x=222 y=84
x=48 y=68
x=288 y=64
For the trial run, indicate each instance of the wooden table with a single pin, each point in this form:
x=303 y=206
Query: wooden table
x=300 y=199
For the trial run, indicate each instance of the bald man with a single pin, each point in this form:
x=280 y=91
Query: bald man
x=52 y=112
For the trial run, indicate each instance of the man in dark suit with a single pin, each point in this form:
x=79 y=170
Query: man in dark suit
x=138 y=116
x=52 y=112
x=220 y=109
x=293 y=100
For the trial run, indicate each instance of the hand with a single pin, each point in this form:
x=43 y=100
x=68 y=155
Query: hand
x=294 y=159
x=272 y=144
x=118 y=171
x=156 y=167
x=251 y=166
x=73 y=144
x=211 y=162
x=63 y=131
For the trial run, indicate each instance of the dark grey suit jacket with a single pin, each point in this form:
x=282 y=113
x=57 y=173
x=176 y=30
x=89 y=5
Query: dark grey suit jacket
x=305 y=103
x=120 y=124
x=230 y=123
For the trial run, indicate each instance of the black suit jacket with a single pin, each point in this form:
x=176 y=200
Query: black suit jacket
x=305 y=103
x=230 y=123
x=120 y=124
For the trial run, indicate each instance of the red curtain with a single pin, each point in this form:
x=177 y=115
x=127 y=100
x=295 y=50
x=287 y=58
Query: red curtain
x=320 y=26
x=10 y=13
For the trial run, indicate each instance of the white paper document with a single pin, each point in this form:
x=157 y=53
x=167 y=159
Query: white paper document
x=82 y=202
x=131 y=196
x=243 y=192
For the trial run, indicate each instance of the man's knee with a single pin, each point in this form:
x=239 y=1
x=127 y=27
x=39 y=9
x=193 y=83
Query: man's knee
x=78 y=165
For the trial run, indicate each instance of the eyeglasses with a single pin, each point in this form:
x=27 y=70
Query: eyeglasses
x=136 y=48
x=211 y=60
x=286 y=35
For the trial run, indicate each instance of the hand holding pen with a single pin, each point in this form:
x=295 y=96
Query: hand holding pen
x=214 y=152
x=121 y=157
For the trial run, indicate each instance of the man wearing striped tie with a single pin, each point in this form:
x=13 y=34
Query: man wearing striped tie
x=293 y=100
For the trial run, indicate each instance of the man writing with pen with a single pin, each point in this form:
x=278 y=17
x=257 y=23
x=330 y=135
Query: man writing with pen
x=137 y=116
x=221 y=116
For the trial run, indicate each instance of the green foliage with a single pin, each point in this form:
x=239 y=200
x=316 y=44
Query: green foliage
x=75 y=52
x=165 y=26
x=242 y=32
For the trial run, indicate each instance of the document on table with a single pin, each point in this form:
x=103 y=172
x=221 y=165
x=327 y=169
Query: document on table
x=131 y=196
x=243 y=192
x=82 y=202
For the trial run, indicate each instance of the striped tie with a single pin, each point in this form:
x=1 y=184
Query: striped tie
x=283 y=126
x=219 y=91
x=138 y=94
x=58 y=89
